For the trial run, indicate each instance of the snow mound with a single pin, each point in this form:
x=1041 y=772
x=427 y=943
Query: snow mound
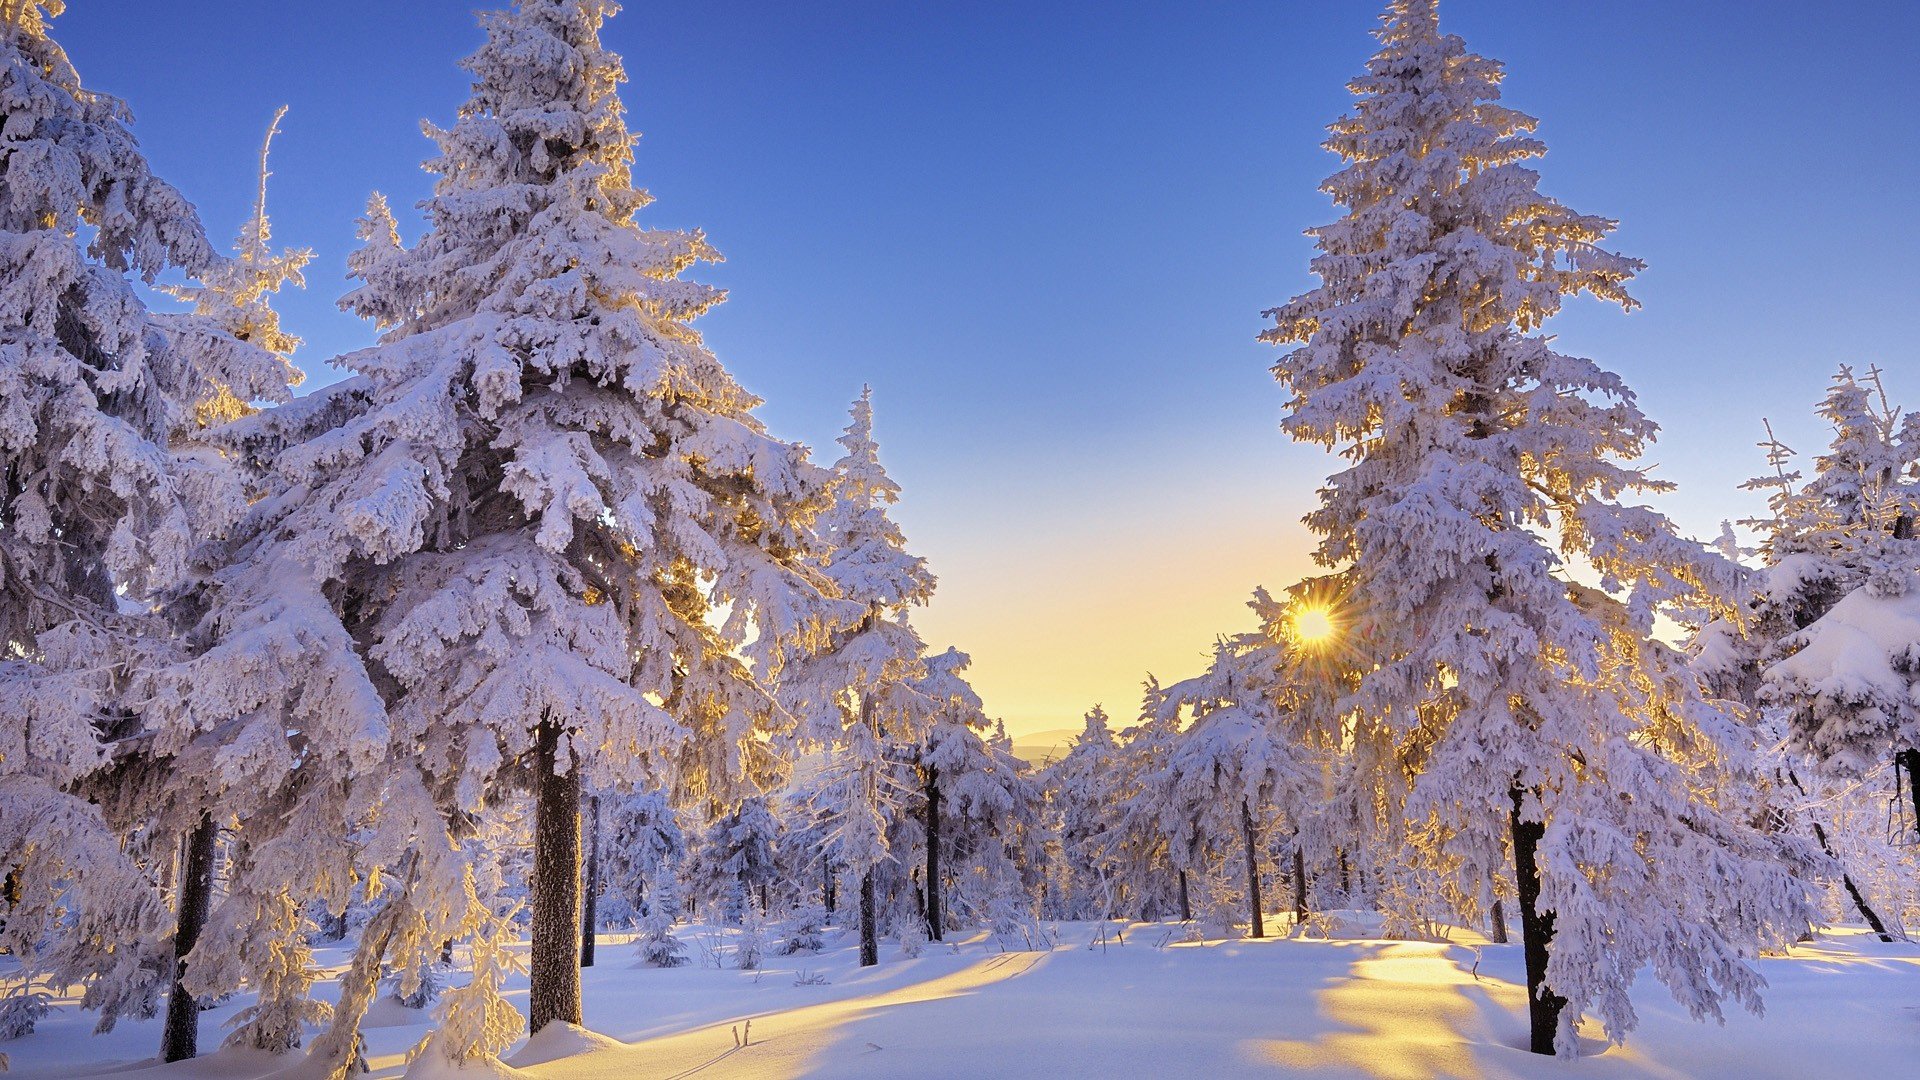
x=561 y=1040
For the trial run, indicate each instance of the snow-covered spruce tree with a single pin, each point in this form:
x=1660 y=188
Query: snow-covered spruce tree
x=1836 y=632
x=1482 y=461
x=643 y=838
x=1823 y=541
x=233 y=296
x=100 y=504
x=1144 y=873
x=1080 y=801
x=1236 y=764
x=977 y=804
x=659 y=946
x=735 y=864
x=855 y=695
x=522 y=532
x=1844 y=661
x=563 y=480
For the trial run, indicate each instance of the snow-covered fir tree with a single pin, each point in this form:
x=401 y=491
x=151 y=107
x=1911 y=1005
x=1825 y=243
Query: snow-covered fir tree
x=643 y=838
x=979 y=811
x=1144 y=875
x=855 y=695
x=1080 y=801
x=104 y=494
x=1531 y=712
x=1235 y=766
x=1843 y=656
x=735 y=864
x=659 y=945
x=1825 y=540
x=508 y=557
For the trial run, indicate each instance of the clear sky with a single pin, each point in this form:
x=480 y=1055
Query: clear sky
x=1045 y=232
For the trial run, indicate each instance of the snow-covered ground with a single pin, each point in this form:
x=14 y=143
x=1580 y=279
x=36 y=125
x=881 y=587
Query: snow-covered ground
x=1143 y=1005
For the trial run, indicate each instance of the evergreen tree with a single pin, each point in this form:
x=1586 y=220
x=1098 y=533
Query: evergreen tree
x=1483 y=464
x=978 y=807
x=1837 y=637
x=104 y=494
x=736 y=862
x=643 y=839
x=1826 y=540
x=1078 y=790
x=505 y=561
x=1235 y=765
x=855 y=695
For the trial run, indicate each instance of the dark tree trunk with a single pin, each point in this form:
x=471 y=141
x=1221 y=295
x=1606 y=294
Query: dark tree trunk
x=555 y=956
x=826 y=885
x=1186 y=904
x=1910 y=761
x=1536 y=929
x=590 y=897
x=935 y=922
x=180 y=1039
x=1255 y=922
x=446 y=951
x=869 y=934
x=1346 y=879
x=1299 y=885
x=1853 y=890
x=337 y=925
x=1499 y=924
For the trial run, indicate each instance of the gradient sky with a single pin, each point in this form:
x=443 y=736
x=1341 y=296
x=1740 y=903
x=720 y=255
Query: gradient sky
x=1045 y=232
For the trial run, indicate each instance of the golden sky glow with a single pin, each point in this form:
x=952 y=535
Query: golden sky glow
x=1083 y=617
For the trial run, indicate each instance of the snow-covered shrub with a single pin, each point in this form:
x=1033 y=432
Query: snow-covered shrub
x=804 y=930
x=659 y=946
x=418 y=984
x=750 y=946
x=20 y=1010
x=911 y=931
x=1012 y=921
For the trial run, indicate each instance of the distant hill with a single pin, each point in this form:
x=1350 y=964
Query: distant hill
x=1039 y=747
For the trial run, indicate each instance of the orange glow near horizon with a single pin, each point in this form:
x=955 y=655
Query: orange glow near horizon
x=1083 y=617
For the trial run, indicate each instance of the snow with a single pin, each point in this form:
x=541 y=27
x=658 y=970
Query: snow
x=1850 y=653
x=1144 y=1004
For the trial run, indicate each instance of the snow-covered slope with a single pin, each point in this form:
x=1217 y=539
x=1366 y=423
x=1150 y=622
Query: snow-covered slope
x=1144 y=1004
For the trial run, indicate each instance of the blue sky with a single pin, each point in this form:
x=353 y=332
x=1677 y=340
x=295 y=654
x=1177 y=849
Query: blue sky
x=1045 y=232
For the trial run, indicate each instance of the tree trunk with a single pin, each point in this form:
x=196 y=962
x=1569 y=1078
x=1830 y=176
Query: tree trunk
x=180 y=1039
x=1299 y=885
x=1346 y=880
x=869 y=934
x=1498 y=926
x=555 y=956
x=1853 y=890
x=1254 y=920
x=590 y=898
x=1536 y=929
x=826 y=886
x=1910 y=761
x=1186 y=905
x=935 y=922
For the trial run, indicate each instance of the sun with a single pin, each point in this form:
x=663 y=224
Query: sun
x=1313 y=625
